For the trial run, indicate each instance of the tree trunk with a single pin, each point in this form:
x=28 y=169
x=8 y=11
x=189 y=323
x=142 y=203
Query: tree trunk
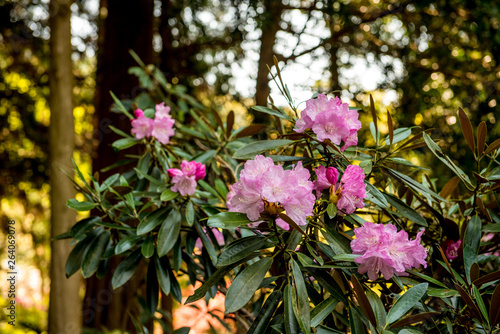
x=64 y=308
x=128 y=25
x=270 y=27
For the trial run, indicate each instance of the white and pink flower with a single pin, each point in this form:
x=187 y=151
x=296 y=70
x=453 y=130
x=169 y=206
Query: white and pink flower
x=185 y=179
x=265 y=188
x=161 y=127
x=330 y=119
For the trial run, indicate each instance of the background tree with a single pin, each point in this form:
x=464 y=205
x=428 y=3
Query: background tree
x=64 y=315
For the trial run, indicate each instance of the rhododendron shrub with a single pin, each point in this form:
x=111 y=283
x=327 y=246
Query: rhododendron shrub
x=319 y=228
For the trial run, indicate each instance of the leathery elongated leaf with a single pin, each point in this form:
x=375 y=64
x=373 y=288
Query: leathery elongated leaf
x=245 y=284
x=406 y=302
x=322 y=310
x=126 y=269
x=481 y=137
x=228 y=220
x=169 y=232
x=291 y=325
x=240 y=249
x=252 y=149
x=363 y=300
x=93 y=255
x=300 y=299
x=466 y=128
x=262 y=320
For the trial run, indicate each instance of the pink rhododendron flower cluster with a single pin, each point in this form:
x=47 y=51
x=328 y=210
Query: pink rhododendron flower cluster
x=385 y=249
x=330 y=119
x=452 y=249
x=269 y=189
x=348 y=194
x=185 y=179
x=161 y=127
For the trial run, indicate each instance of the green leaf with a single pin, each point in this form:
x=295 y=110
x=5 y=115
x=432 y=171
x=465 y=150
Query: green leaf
x=124 y=143
x=322 y=310
x=472 y=235
x=406 y=211
x=375 y=196
x=254 y=148
x=169 y=232
x=446 y=160
x=480 y=303
x=326 y=330
x=143 y=165
x=75 y=258
x=126 y=269
x=152 y=289
x=152 y=220
x=345 y=257
x=162 y=274
x=83 y=226
x=148 y=247
x=168 y=195
x=355 y=322
x=416 y=186
x=273 y=112
x=190 y=214
x=406 y=302
x=427 y=278
x=326 y=281
x=126 y=243
x=291 y=325
x=493 y=228
x=93 y=255
x=239 y=249
x=81 y=206
x=338 y=243
x=378 y=308
x=228 y=220
x=399 y=135
x=245 y=284
x=470 y=257
x=207 y=243
x=221 y=188
x=300 y=299
x=331 y=210
x=441 y=293
x=263 y=319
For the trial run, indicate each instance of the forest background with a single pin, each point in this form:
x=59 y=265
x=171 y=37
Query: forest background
x=420 y=60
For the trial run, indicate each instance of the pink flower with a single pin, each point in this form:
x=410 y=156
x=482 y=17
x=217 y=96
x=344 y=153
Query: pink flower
x=184 y=179
x=348 y=194
x=384 y=249
x=330 y=119
x=352 y=189
x=163 y=129
x=265 y=188
x=162 y=111
x=452 y=249
x=330 y=125
x=142 y=126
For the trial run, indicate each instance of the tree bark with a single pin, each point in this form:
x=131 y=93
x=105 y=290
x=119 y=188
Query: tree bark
x=270 y=28
x=128 y=25
x=64 y=307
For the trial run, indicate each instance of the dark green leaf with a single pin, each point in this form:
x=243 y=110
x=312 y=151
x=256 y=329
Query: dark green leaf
x=378 y=308
x=355 y=322
x=300 y=299
x=252 y=149
x=363 y=300
x=239 y=249
x=375 y=196
x=152 y=289
x=168 y=195
x=399 y=135
x=245 y=284
x=76 y=255
x=493 y=228
x=322 y=310
x=190 y=215
x=472 y=235
x=148 y=247
x=291 y=325
x=162 y=274
x=272 y=112
x=228 y=220
x=413 y=319
x=406 y=211
x=406 y=302
x=152 y=220
x=263 y=319
x=125 y=244
x=169 y=232
x=81 y=206
x=93 y=255
x=84 y=226
x=124 y=143
x=126 y=269
x=480 y=303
